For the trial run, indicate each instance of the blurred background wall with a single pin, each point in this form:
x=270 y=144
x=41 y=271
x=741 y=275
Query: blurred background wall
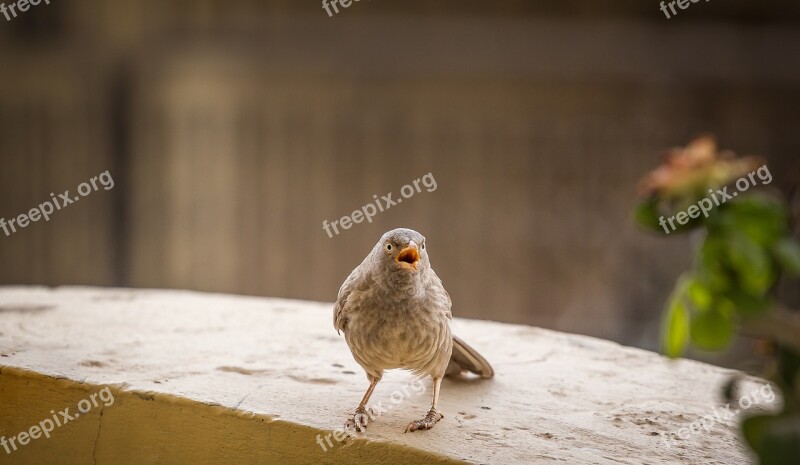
x=232 y=129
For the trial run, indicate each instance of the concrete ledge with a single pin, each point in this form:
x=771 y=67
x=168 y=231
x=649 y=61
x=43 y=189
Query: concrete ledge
x=204 y=378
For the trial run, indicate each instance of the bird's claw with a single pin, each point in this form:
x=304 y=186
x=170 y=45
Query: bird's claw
x=430 y=419
x=359 y=421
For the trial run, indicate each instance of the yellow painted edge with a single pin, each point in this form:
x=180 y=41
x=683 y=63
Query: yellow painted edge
x=144 y=427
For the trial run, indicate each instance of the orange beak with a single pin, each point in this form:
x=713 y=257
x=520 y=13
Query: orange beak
x=409 y=257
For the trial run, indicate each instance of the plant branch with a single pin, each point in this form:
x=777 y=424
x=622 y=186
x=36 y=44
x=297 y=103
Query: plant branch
x=781 y=326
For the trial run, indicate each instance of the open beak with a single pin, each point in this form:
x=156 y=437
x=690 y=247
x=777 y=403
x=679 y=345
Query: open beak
x=408 y=258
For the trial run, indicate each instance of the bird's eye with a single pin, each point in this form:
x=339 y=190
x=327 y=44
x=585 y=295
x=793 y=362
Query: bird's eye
x=423 y=246
x=389 y=247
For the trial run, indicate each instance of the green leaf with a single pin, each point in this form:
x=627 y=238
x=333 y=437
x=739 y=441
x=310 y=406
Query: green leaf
x=754 y=429
x=675 y=329
x=747 y=304
x=713 y=266
x=761 y=218
x=776 y=439
x=699 y=295
x=787 y=254
x=712 y=330
x=751 y=263
x=647 y=214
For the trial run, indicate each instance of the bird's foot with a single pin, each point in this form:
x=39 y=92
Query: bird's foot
x=430 y=419
x=359 y=421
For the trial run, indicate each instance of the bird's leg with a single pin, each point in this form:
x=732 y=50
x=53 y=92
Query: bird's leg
x=433 y=415
x=360 y=420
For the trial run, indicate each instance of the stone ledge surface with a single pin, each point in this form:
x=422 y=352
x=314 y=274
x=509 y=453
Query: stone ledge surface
x=210 y=378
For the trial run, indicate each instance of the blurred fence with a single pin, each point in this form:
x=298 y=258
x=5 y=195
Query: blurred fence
x=233 y=129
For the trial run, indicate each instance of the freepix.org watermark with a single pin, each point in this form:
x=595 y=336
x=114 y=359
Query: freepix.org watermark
x=682 y=4
x=48 y=207
x=384 y=203
x=327 y=5
x=759 y=396
x=48 y=425
x=398 y=397
x=706 y=204
x=21 y=5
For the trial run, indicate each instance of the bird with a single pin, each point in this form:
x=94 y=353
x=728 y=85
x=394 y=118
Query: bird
x=395 y=314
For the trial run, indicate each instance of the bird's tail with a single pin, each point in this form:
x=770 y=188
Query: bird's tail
x=465 y=358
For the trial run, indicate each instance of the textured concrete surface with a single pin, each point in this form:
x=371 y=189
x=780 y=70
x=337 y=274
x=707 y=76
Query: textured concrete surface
x=206 y=378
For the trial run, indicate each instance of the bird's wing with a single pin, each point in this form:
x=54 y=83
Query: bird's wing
x=465 y=358
x=439 y=294
x=340 y=308
x=449 y=304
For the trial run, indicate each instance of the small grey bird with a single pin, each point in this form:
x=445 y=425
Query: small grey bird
x=395 y=313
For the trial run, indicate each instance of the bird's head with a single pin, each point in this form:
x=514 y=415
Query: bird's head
x=402 y=250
